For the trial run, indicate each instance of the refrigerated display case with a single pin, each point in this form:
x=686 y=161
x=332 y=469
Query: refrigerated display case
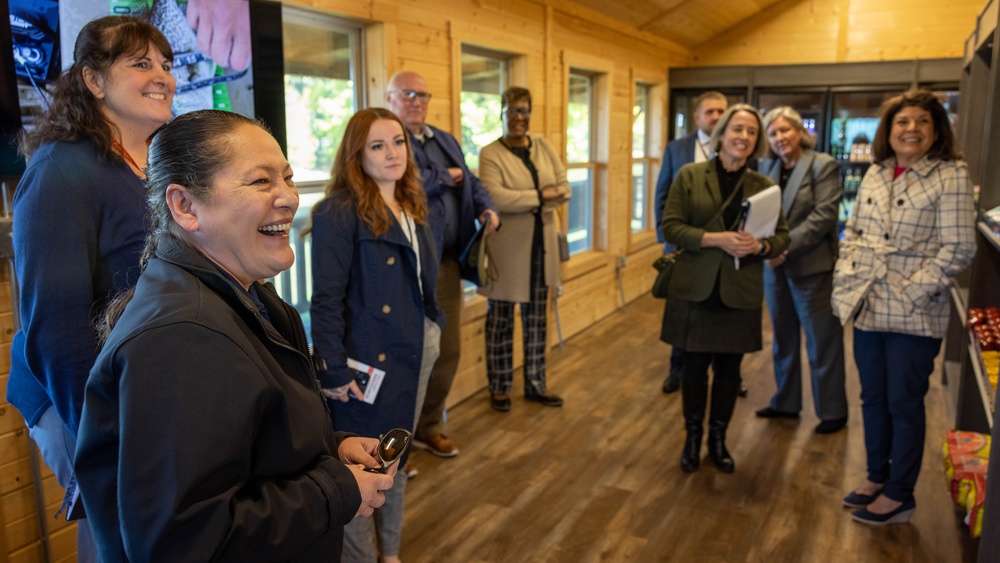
x=811 y=105
x=840 y=102
x=854 y=117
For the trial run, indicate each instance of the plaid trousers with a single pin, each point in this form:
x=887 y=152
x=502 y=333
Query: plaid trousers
x=500 y=335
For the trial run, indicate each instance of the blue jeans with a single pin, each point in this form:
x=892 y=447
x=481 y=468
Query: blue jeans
x=895 y=372
x=56 y=445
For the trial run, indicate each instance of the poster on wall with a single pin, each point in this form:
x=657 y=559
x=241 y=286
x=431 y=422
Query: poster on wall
x=44 y=33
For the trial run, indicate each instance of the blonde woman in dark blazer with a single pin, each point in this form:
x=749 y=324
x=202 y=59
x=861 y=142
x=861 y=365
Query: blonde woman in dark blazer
x=799 y=281
x=527 y=182
x=713 y=309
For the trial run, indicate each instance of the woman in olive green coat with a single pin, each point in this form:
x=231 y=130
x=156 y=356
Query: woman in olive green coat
x=714 y=309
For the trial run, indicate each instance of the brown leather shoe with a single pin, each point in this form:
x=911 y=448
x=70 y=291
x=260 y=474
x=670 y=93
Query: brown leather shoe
x=437 y=444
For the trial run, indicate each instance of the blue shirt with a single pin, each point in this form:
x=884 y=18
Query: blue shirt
x=79 y=229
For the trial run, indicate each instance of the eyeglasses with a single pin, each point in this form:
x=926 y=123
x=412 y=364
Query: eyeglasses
x=411 y=95
x=525 y=113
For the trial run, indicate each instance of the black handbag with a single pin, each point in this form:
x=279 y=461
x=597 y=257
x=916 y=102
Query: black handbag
x=665 y=264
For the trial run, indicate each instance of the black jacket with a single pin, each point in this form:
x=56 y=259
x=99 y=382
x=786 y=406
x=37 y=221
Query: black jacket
x=204 y=436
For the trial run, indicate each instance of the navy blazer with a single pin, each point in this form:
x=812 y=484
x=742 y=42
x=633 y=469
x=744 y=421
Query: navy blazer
x=472 y=201
x=678 y=153
x=367 y=305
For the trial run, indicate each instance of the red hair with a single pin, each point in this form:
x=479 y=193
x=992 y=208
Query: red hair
x=349 y=177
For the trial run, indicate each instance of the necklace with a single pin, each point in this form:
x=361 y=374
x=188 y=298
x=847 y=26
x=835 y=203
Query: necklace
x=121 y=150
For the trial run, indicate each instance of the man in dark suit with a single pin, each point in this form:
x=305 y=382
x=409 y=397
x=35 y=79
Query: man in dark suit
x=709 y=107
x=455 y=199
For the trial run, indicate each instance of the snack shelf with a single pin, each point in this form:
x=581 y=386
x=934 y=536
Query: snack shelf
x=982 y=380
x=960 y=298
x=990 y=235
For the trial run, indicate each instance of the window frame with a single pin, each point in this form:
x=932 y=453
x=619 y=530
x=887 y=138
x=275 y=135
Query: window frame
x=517 y=74
x=506 y=58
x=295 y=284
x=601 y=73
x=655 y=143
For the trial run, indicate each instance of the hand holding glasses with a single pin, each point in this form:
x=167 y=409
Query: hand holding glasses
x=391 y=446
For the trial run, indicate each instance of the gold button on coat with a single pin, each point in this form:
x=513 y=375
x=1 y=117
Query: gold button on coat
x=386 y=309
x=381 y=357
x=390 y=260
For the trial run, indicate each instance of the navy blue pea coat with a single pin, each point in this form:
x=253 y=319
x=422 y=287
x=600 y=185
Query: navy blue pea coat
x=367 y=305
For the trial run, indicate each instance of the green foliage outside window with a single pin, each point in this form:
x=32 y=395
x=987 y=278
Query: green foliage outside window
x=578 y=132
x=481 y=124
x=316 y=111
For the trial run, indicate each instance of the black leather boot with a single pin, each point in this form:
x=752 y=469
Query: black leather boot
x=717 y=446
x=691 y=455
x=694 y=393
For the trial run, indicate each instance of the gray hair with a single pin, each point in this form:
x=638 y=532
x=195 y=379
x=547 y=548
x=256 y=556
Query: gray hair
x=716 y=138
x=793 y=117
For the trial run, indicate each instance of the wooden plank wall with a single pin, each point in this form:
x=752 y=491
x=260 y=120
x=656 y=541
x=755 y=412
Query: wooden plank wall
x=426 y=35
x=549 y=36
x=19 y=524
x=831 y=31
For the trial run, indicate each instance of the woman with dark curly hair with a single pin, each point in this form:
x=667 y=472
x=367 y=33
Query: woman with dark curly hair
x=80 y=221
x=374 y=279
x=912 y=230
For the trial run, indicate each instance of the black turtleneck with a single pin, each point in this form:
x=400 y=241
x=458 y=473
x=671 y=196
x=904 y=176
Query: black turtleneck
x=727 y=183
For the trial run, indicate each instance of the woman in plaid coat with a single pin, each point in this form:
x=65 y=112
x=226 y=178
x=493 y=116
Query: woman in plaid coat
x=912 y=230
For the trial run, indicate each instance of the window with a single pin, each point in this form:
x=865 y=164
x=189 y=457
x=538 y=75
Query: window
x=322 y=92
x=643 y=159
x=485 y=75
x=580 y=161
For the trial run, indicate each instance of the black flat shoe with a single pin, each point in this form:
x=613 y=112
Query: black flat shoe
x=831 y=426
x=548 y=399
x=899 y=516
x=859 y=500
x=500 y=402
x=768 y=412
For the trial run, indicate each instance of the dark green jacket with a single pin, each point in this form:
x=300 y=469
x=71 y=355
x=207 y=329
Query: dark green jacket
x=695 y=196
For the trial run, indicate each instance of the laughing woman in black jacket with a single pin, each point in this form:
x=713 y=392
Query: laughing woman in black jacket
x=204 y=435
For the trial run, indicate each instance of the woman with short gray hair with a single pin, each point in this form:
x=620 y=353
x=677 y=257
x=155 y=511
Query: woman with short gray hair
x=799 y=281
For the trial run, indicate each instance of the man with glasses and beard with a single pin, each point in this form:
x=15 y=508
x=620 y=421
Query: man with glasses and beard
x=455 y=200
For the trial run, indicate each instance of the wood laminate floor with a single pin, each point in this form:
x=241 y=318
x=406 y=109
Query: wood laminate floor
x=598 y=480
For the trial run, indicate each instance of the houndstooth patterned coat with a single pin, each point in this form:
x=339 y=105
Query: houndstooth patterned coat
x=905 y=240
